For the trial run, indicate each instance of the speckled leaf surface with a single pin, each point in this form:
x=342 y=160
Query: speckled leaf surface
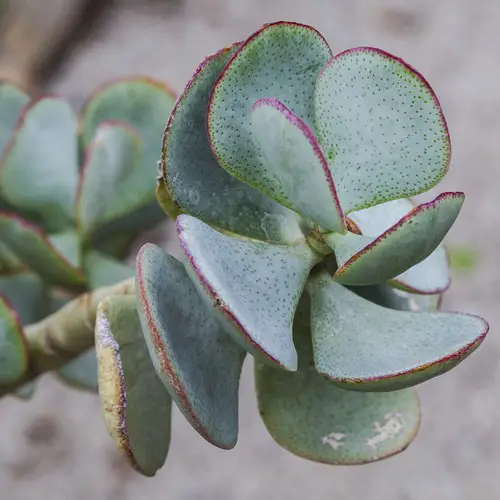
x=111 y=158
x=53 y=259
x=195 y=181
x=432 y=275
x=254 y=287
x=144 y=104
x=292 y=169
x=12 y=101
x=13 y=346
x=27 y=294
x=381 y=127
x=39 y=172
x=365 y=347
x=281 y=60
x=309 y=416
x=102 y=270
x=405 y=244
x=195 y=358
x=81 y=373
x=136 y=406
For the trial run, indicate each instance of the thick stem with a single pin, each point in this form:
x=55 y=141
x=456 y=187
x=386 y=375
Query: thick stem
x=67 y=333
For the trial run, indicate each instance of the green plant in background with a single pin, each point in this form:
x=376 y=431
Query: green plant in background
x=289 y=172
x=74 y=193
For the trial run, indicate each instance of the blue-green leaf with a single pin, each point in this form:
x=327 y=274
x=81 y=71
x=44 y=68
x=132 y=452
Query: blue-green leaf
x=136 y=406
x=39 y=172
x=362 y=346
x=381 y=126
x=197 y=361
x=312 y=418
x=364 y=260
x=194 y=183
x=81 y=372
x=12 y=101
x=253 y=286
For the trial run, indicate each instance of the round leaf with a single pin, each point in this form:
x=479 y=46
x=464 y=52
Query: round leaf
x=136 y=405
x=252 y=286
x=281 y=60
x=381 y=127
x=197 y=361
x=364 y=260
x=39 y=172
x=312 y=418
x=293 y=170
x=12 y=101
x=362 y=346
x=193 y=181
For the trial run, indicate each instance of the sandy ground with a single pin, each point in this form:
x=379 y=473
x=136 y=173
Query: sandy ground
x=56 y=446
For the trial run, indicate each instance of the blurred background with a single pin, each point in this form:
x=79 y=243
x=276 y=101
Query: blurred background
x=56 y=445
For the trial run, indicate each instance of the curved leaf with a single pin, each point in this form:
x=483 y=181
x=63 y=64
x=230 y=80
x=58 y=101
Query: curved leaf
x=252 y=286
x=9 y=263
x=293 y=170
x=432 y=275
x=362 y=346
x=381 y=126
x=364 y=260
x=13 y=346
x=81 y=372
x=144 y=104
x=53 y=259
x=196 y=184
x=12 y=101
x=111 y=159
x=136 y=405
x=39 y=173
x=197 y=361
x=312 y=418
x=281 y=60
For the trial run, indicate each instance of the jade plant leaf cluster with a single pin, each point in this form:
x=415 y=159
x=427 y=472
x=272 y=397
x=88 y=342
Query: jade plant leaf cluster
x=289 y=172
x=74 y=193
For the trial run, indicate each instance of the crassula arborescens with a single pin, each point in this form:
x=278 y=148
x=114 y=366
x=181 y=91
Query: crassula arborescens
x=289 y=171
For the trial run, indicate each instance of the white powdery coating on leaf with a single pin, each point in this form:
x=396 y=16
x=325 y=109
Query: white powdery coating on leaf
x=334 y=439
x=392 y=425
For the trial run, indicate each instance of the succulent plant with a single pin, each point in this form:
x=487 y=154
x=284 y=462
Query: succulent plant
x=289 y=172
x=74 y=193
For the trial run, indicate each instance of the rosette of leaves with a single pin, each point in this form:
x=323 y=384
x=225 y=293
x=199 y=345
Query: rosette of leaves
x=289 y=172
x=74 y=192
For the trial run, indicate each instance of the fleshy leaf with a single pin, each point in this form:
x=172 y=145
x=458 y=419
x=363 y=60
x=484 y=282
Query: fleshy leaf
x=111 y=159
x=27 y=294
x=293 y=170
x=253 y=286
x=9 y=263
x=39 y=172
x=432 y=275
x=381 y=127
x=195 y=358
x=41 y=254
x=143 y=104
x=362 y=346
x=193 y=181
x=26 y=391
x=12 y=101
x=309 y=416
x=13 y=345
x=136 y=406
x=281 y=60
x=364 y=260
x=102 y=270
